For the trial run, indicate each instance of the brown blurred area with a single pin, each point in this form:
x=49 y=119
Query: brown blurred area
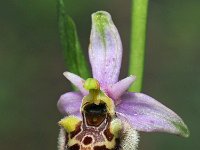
x=31 y=67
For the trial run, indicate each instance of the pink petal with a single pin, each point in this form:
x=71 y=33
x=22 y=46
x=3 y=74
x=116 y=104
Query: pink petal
x=105 y=50
x=70 y=103
x=118 y=89
x=76 y=81
x=146 y=114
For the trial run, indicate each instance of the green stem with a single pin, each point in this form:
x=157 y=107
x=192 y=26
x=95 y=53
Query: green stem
x=138 y=39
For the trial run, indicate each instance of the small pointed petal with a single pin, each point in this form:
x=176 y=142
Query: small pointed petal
x=146 y=114
x=105 y=50
x=76 y=81
x=118 y=89
x=70 y=103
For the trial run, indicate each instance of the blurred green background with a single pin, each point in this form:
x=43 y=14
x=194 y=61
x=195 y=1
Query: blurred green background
x=31 y=67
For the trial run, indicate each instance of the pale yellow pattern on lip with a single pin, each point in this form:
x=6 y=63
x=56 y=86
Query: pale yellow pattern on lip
x=69 y=123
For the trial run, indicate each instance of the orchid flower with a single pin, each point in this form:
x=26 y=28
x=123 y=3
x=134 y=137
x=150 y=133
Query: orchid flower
x=102 y=115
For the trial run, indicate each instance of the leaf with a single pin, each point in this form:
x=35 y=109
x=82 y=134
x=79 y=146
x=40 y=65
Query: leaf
x=73 y=54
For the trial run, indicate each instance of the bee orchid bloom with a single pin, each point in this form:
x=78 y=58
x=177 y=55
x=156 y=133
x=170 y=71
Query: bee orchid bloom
x=102 y=115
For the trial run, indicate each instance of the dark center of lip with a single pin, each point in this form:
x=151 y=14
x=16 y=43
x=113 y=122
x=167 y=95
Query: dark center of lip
x=94 y=109
x=95 y=114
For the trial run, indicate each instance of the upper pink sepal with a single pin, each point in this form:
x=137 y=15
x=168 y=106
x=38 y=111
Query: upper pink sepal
x=105 y=49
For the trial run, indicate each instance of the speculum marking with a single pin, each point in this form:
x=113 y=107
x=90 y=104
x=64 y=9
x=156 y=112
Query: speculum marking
x=87 y=140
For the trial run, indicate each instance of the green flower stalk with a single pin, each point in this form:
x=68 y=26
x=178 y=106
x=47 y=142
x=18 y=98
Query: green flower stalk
x=138 y=39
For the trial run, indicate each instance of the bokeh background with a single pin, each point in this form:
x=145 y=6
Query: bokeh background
x=31 y=67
